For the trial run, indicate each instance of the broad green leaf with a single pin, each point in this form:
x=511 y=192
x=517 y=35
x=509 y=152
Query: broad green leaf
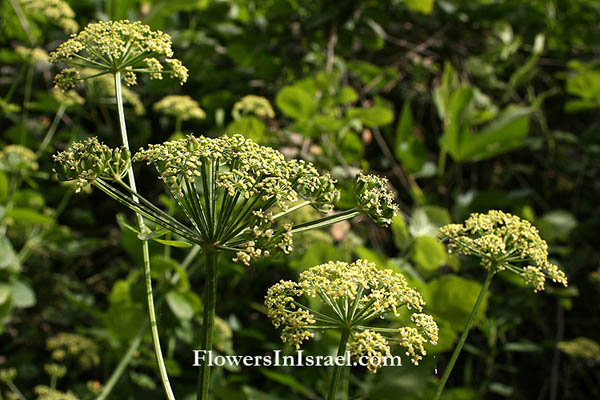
x=142 y=380
x=428 y=254
x=452 y=298
x=180 y=305
x=287 y=380
x=27 y=216
x=346 y=95
x=457 y=121
x=250 y=127
x=3 y=186
x=8 y=258
x=161 y=265
x=120 y=292
x=295 y=102
x=351 y=147
x=373 y=116
x=405 y=126
x=22 y=294
x=402 y=238
x=5 y=302
x=407 y=148
x=503 y=135
x=428 y=220
x=556 y=224
x=424 y=6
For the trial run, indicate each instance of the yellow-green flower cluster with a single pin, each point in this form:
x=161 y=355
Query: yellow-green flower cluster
x=55 y=370
x=353 y=294
x=89 y=160
x=35 y=55
x=504 y=241
x=71 y=345
x=68 y=98
x=55 y=11
x=46 y=393
x=375 y=199
x=8 y=108
x=182 y=107
x=118 y=46
x=19 y=159
x=8 y=375
x=253 y=105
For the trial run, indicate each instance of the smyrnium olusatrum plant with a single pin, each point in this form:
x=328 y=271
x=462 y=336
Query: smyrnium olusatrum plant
x=183 y=108
x=500 y=241
x=124 y=50
x=353 y=298
x=236 y=196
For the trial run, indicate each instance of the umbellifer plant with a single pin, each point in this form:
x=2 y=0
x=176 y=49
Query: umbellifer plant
x=124 y=50
x=501 y=241
x=353 y=297
x=236 y=196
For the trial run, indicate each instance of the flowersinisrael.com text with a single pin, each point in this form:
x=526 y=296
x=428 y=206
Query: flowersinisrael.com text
x=276 y=359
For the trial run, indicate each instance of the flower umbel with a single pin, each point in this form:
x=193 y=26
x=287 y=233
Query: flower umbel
x=235 y=195
x=352 y=295
x=504 y=241
x=253 y=105
x=118 y=46
x=183 y=107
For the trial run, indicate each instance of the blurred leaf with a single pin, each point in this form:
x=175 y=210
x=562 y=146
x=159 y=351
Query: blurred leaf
x=373 y=116
x=556 y=224
x=428 y=254
x=9 y=259
x=427 y=221
x=27 y=216
x=402 y=238
x=452 y=298
x=295 y=102
x=287 y=380
x=180 y=305
x=424 y=6
x=407 y=148
x=173 y=243
x=23 y=295
x=346 y=95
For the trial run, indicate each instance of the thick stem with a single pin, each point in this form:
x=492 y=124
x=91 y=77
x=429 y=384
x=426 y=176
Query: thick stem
x=464 y=335
x=116 y=375
x=208 y=320
x=145 y=251
x=337 y=369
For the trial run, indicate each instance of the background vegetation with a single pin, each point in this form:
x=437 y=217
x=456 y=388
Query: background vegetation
x=465 y=105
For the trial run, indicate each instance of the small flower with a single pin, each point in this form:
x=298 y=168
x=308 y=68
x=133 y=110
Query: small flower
x=57 y=12
x=183 y=107
x=46 y=393
x=504 y=241
x=253 y=105
x=35 y=55
x=375 y=199
x=89 y=160
x=68 y=98
x=118 y=46
x=82 y=349
x=17 y=159
x=352 y=295
x=55 y=370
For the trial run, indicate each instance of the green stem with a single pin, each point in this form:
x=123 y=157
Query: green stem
x=464 y=335
x=178 y=124
x=116 y=375
x=337 y=369
x=53 y=382
x=51 y=130
x=208 y=320
x=145 y=250
x=13 y=388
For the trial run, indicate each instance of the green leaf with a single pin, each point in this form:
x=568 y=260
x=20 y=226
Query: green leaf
x=346 y=95
x=373 y=116
x=5 y=302
x=180 y=305
x=402 y=238
x=173 y=243
x=428 y=220
x=27 y=216
x=4 y=183
x=295 y=102
x=249 y=126
x=503 y=135
x=428 y=254
x=22 y=294
x=407 y=148
x=424 y=6
x=9 y=259
x=452 y=298
x=287 y=380
x=556 y=224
